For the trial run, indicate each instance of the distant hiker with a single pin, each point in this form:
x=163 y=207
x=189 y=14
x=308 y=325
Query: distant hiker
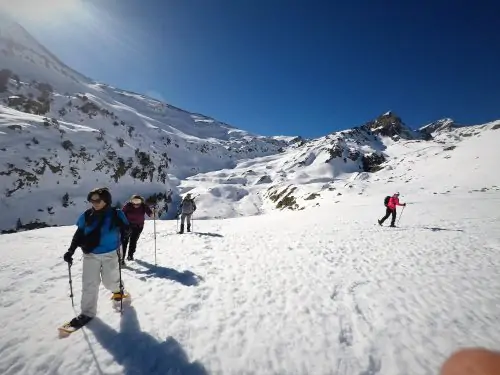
x=134 y=210
x=186 y=209
x=99 y=233
x=390 y=204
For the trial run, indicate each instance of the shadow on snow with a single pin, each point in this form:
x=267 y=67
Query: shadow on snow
x=186 y=278
x=436 y=229
x=208 y=234
x=139 y=352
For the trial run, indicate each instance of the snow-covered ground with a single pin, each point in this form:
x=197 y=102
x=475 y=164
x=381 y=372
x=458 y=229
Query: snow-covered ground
x=322 y=291
x=318 y=289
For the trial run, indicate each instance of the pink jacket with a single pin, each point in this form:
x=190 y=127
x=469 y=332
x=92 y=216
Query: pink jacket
x=393 y=202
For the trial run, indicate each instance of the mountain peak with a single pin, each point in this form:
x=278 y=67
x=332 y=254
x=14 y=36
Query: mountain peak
x=390 y=125
x=444 y=124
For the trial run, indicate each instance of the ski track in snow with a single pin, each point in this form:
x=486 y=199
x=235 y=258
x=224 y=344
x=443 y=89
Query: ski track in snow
x=325 y=291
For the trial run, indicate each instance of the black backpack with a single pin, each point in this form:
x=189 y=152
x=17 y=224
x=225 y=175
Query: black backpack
x=115 y=220
x=386 y=200
x=92 y=239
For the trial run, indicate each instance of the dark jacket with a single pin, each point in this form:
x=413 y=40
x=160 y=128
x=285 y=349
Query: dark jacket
x=135 y=215
x=187 y=206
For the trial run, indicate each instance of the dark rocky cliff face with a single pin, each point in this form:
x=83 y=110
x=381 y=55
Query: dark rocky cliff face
x=390 y=125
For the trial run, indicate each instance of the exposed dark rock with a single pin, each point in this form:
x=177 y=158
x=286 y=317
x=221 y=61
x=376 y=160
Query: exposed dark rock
x=390 y=125
x=371 y=162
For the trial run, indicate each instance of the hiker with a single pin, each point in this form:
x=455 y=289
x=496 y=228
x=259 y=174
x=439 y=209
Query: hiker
x=99 y=233
x=186 y=209
x=134 y=210
x=390 y=204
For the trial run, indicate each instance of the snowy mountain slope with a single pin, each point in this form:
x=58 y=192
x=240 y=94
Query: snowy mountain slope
x=440 y=127
x=346 y=165
x=62 y=134
x=322 y=291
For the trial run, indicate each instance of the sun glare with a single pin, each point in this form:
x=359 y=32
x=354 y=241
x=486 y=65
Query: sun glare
x=89 y=18
x=41 y=11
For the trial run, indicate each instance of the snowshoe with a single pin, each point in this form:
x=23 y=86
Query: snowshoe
x=74 y=325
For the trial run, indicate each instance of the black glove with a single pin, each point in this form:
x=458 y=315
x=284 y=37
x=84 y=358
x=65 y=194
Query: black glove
x=68 y=257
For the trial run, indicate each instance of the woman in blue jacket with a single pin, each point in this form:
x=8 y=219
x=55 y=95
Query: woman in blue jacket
x=100 y=231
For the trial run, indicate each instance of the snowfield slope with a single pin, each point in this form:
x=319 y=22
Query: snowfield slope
x=62 y=134
x=321 y=291
x=463 y=159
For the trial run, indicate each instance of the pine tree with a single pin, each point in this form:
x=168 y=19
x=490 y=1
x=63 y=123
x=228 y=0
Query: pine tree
x=65 y=200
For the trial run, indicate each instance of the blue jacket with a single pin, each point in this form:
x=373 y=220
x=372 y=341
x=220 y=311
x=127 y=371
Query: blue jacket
x=110 y=238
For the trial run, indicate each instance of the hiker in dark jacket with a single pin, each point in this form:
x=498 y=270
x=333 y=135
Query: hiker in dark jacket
x=186 y=209
x=99 y=233
x=134 y=210
x=391 y=209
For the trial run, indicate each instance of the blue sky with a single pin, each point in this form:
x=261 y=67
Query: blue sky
x=291 y=67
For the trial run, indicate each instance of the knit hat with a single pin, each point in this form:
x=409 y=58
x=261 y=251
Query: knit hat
x=103 y=193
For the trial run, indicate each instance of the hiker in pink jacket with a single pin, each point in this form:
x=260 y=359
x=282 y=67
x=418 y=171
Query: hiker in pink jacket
x=392 y=202
x=134 y=210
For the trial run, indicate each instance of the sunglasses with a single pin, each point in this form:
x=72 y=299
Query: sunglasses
x=136 y=201
x=97 y=201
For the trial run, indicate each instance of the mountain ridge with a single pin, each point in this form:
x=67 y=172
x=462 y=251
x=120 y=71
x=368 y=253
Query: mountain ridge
x=62 y=134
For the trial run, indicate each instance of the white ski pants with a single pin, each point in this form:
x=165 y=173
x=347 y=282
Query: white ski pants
x=95 y=267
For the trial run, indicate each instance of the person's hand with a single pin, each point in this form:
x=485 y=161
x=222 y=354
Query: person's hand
x=472 y=361
x=68 y=257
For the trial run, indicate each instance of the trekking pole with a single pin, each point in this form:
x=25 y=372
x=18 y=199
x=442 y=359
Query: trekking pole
x=71 y=285
x=154 y=228
x=403 y=210
x=121 y=283
x=119 y=252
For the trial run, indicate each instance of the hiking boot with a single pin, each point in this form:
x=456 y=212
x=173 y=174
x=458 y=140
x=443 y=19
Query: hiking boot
x=380 y=222
x=189 y=228
x=80 y=321
x=182 y=228
x=130 y=257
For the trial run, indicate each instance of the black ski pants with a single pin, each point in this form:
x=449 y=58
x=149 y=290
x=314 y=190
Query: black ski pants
x=134 y=234
x=389 y=212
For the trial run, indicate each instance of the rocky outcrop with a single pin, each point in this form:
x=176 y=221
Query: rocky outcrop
x=439 y=126
x=372 y=162
x=390 y=125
